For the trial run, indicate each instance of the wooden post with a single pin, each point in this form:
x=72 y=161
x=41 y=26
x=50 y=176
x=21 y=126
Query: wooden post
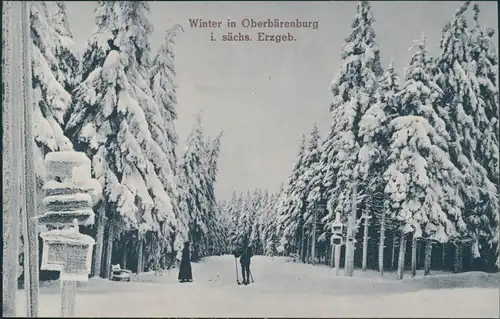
x=402 y=252
x=428 y=255
x=381 y=244
x=99 y=247
x=11 y=28
x=413 y=255
x=68 y=294
x=351 y=231
x=31 y=261
x=337 y=259
x=313 y=240
x=365 y=243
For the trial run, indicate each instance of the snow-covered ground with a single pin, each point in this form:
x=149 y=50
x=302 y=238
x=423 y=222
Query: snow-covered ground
x=281 y=289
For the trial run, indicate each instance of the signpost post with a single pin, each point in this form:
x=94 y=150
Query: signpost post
x=337 y=241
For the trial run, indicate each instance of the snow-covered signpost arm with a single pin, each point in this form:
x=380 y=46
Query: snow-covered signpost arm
x=68 y=202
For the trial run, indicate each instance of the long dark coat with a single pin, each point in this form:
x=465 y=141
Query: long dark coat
x=185 y=267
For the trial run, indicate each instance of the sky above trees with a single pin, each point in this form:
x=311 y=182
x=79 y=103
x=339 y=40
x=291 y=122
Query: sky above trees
x=266 y=95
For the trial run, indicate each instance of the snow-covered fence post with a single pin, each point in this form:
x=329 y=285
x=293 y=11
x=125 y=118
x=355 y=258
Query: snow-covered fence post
x=11 y=71
x=337 y=241
x=70 y=195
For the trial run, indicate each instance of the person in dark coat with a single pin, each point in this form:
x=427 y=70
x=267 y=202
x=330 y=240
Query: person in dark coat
x=245 y=256
x=185 y=273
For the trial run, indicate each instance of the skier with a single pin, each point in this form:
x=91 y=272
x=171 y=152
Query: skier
x=185 y=273
x=245 y=256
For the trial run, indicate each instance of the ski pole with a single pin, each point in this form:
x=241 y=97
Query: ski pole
x=251 y=276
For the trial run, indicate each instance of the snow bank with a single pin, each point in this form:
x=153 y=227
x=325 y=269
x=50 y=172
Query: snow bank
x=281 y=290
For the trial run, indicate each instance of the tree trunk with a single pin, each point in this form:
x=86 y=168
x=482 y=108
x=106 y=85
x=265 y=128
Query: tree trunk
x=109 y=251
x=443 y=257
x=124 y=258
x=313 y=239
x=326 y=254
x=402 y=252
x=393 y=252
x=332 y=256
x=365 y=244
x=308 y=258
x=414 y=245
x=381 y=245
x=302 y=243
x=458 y=259
x=428 y=255
x=140 y=257
x=99 y=247
x=351 y=235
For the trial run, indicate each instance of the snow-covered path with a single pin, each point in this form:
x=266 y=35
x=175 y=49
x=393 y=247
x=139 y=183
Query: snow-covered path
x=281 y=290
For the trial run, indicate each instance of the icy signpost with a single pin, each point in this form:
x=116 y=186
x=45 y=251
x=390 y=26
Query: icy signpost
x=70 y=195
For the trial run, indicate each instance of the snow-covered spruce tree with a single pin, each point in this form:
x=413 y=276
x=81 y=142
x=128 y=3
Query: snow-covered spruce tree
x=197 y=200
x=374 y=131
x=164 y=87
x=214 y=220
x=245 y=221
x=462 y=110
x=49 y=95
x=258 y=208
x=110 y=124
x=353 y=93
x=234 y=215
x=64 y=46
x=262 y=220
x=271 y=238
x=312 y=179
x=484 y=60
x=422 y=182
x=293 y=204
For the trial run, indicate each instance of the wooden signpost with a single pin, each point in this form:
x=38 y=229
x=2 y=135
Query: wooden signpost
x=69 y=197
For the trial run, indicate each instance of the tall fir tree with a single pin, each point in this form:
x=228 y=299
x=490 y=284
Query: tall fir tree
x=164 y=87
x=353 y=93
x=484 y=63
x=50 y=97
x=422 y=182
x=372 y=157
x=461 y=109
x=110 y=122
x=292 y=206
x=197 y=198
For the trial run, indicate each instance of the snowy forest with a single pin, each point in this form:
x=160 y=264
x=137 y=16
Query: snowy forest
x=418 y=153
